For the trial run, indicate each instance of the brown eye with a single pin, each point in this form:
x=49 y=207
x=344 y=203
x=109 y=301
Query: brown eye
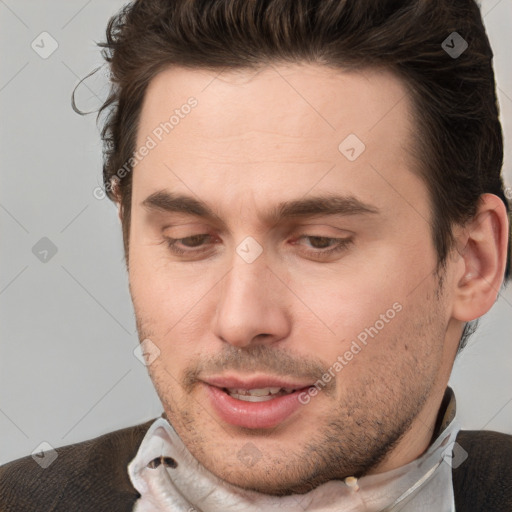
x=193 y=241
x=320 y=242
x=190 y=242
x=324 y=246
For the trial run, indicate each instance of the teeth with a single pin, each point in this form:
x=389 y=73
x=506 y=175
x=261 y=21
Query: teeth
x=256 y=392
x=250 y=398
x=258 y=395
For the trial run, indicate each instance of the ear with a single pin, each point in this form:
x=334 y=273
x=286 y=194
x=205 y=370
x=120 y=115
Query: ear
x=114 y=183
x=119 y=210
x=483 y=259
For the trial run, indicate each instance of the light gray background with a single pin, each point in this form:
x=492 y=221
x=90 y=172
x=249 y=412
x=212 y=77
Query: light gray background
x=67 y=368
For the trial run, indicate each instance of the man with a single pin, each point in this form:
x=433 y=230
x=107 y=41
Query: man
x=313 y=218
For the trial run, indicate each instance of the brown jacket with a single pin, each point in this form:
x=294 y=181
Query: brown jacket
x=92 y=476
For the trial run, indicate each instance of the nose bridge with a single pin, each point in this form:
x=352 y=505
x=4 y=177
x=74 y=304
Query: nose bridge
x=249 y=274
x=247 y=283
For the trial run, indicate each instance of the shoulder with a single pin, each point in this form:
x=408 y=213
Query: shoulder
x=83 y=477
x=482 y=475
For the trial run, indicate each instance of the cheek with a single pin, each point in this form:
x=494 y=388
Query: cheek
x=397 y=354
x=169 y=291
x=352 y=297
x=380 y=318
x=171 y=305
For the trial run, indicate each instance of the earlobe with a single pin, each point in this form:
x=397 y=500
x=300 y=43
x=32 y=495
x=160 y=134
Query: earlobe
x=483 y=260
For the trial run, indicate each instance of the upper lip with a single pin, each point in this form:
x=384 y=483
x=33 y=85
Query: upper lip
x=255 y=382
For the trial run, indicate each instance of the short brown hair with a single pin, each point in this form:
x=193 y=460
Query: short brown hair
x=458 y=140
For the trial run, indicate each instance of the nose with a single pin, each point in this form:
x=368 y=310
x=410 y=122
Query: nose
x=252 y=305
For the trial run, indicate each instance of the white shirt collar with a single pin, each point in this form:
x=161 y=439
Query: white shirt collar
x=182 y=484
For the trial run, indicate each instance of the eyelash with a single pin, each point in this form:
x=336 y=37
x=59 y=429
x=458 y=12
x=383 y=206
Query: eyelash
x=340 y=245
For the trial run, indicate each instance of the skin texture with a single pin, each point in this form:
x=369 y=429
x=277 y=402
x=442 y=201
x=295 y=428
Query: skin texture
x=254 y=139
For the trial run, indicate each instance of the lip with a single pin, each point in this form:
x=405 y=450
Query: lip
x=253 y=415
x=255 y=382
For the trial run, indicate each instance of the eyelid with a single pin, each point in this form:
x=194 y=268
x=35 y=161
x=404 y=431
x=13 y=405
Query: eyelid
x=340 y=245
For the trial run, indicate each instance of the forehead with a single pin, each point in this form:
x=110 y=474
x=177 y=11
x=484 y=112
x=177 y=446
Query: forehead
x=299 y=100
x=279 y=130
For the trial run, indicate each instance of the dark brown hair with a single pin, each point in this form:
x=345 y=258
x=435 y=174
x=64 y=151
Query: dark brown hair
x=458 y=141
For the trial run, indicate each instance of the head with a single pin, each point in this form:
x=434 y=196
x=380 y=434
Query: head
x=311 y=198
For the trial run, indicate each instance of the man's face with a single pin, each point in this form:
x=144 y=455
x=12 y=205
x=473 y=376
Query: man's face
x=255 y=300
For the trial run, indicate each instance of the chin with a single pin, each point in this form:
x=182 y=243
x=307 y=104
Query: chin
x=270 y=485
x=265 y=486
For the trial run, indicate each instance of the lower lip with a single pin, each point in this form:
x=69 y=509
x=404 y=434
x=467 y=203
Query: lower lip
x=266 y=414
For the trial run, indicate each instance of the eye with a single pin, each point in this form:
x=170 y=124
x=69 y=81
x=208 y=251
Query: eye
x=192 y=242
x=324 y=245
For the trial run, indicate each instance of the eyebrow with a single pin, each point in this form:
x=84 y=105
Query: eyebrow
x=322 y=205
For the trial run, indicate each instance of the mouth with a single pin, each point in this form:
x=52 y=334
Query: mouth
x=262 y=402
x=258 y=395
